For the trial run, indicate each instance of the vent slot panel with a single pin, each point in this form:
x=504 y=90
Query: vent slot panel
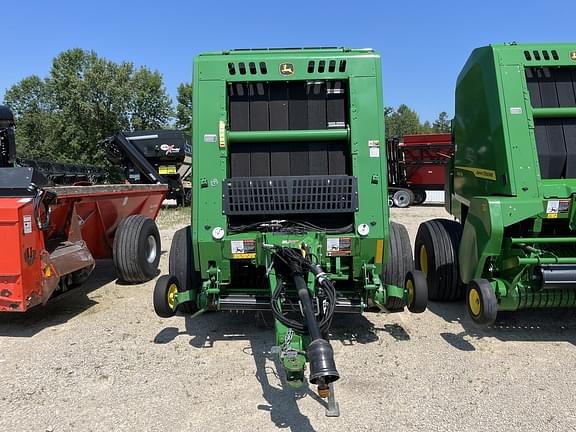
x=556 y=145
x=289 y=159
x=551 y=87
x=294 y=105
x=290 y=195
x=543 y=55
x=313 y=66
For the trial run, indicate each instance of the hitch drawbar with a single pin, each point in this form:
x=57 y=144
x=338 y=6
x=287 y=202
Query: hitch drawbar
x=305 y=340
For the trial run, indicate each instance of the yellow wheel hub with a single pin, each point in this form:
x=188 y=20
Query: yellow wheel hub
x=424 y=259
x=172 y=293
x=410 y=291
x=474 y=302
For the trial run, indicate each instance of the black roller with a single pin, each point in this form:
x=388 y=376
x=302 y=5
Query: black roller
x=555 y=276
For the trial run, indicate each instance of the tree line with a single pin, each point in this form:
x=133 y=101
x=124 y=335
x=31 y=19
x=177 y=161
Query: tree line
x=405 y=121
x=86 y=98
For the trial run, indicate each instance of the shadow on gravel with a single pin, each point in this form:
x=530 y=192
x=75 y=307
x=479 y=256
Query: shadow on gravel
x=541 y=325
x=258 y=331
x=60 y=308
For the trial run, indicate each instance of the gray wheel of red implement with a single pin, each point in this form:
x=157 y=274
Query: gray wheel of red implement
x=402 y=198
x=399 y=263
x=136 y=249
x=419 y=196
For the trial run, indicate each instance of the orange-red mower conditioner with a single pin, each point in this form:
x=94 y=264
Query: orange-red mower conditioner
x=23 y=277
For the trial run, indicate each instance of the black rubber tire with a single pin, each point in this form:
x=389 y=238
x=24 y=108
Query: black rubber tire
x=399 y=263
x=181 y=265
x=485 y=301
x=419 y=196
x=403 y=198
x=132 y=250
x=161 y=296
x=417 y=291
x=440 y=239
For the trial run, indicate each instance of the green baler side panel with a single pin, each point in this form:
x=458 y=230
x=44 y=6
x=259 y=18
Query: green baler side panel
x=496 y=151
x=210 y=149
x=481 y=157
x=497 y=187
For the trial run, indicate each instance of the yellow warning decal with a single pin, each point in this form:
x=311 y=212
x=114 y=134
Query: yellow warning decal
x=167 y=169
x=243 y=256
x=482 y=173
x=222 y=134
x=379 y=251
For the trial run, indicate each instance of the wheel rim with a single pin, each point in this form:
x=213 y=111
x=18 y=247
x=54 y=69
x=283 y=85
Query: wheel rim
x=474 y=302
x=172 y=293
x=402 y=198
x=410 y=291
x=424 y=259
x=151 y=249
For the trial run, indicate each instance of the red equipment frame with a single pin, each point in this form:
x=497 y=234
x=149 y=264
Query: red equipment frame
x=83 y=222
x=424 y=158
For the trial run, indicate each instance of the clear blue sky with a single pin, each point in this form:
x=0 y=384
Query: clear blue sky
x=423 y=44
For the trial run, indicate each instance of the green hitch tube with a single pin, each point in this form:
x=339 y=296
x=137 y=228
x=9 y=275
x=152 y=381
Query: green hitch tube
x=289 y=135
x=554 y=112
x=545 y=260
x=540 y=240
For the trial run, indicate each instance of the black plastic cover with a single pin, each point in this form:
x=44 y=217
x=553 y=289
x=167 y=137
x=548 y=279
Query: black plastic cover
x=551 y=87
x=19 y=182
x=6 y=117
x=296 y=105
x=289 y=195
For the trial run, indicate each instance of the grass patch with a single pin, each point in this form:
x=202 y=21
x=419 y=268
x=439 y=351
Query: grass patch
x=173 y=216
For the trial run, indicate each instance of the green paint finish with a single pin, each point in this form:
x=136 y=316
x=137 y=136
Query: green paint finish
x=355 y=271
x=210 y=153
x=289 y=135
x=495 y=186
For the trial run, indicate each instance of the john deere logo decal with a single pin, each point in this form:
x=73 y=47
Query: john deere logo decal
x=573 y=55
x=286 y=69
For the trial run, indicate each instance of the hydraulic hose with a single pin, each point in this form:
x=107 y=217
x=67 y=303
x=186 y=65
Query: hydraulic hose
x=304 y=296
x=320 y=354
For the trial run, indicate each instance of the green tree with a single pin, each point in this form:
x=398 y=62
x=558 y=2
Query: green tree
x=151 y=105
x=426 y=128
x=85 y=99
x=403 y=121
x=184 y=107
x=31 y=103
x=442 y=123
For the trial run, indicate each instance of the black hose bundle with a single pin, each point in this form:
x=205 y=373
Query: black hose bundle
x=41 y=204
x=295 y=260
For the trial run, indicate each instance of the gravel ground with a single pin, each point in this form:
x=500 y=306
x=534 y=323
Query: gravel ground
x=98 y=359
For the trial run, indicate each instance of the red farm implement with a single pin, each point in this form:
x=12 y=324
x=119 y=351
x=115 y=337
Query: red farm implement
x=53 y=235
x=415 y=165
